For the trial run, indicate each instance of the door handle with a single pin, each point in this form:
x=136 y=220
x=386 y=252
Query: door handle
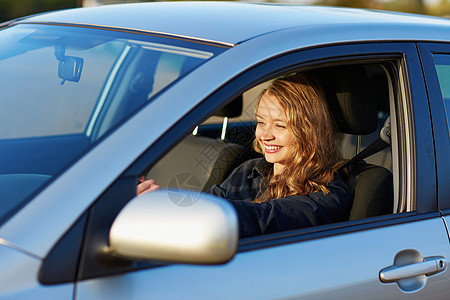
x=410 y=270
x=430 y=266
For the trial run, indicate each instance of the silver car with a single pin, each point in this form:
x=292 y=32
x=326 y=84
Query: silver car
x=94 y=98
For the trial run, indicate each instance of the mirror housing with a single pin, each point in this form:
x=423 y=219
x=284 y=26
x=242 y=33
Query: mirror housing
x=70 y=69
x=153 y=226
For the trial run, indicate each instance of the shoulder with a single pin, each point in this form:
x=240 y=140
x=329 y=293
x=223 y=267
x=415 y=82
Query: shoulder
x=338 y=183
x=244 y=182
x=253 y=168
x=338 y=193
x=258 y=164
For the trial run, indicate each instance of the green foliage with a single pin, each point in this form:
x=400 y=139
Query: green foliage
x=349 y=3
x=441 y=9
x=416 y=6
x=11 y=9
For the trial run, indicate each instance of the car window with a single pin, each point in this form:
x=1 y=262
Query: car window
x=442 y=63
x=225 y=140
x=63 y=88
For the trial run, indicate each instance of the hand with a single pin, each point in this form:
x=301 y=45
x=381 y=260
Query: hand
x=146 y=186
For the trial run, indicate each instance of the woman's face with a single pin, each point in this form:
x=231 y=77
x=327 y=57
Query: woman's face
x=271 y=132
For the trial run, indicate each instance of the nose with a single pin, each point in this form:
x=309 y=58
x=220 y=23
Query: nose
x=266 y=133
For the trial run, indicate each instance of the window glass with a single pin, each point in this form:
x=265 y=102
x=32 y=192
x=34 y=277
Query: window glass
x=64 y=87
x=442 y=63
x=57 y=80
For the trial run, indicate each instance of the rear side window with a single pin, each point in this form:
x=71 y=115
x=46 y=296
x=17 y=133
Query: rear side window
x=442 y=63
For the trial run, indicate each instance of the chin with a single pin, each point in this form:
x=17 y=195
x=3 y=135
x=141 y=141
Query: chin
x=271 y=159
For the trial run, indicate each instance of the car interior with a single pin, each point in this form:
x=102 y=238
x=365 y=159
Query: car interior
x=360 y=97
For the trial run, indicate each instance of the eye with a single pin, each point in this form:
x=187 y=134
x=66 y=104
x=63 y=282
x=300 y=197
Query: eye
x=281 y=126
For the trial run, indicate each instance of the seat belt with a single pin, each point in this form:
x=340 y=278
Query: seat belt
x=383 y=142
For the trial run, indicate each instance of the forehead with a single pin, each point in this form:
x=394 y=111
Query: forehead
x=270 y=107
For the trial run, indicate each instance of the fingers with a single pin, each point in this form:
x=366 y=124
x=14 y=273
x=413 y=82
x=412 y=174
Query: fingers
x=154 y=187
x=146 y=186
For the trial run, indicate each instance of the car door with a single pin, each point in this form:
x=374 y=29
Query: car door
x=394 y=256
x=436 y=63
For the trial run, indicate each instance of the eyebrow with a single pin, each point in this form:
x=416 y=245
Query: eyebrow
x=277 y=119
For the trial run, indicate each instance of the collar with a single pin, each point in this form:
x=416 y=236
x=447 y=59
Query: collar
x=261 y=169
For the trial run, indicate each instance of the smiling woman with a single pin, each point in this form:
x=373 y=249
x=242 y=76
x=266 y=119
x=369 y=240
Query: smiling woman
x=272 y=138
x=299 y=135
x=296 y=184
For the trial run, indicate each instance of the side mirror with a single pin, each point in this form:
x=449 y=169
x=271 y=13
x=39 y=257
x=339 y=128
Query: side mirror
x=153 y=227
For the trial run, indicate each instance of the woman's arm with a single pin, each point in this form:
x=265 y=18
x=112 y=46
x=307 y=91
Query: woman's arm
x=294 y=212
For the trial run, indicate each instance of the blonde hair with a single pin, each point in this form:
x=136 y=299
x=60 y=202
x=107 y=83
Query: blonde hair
x=315 y=157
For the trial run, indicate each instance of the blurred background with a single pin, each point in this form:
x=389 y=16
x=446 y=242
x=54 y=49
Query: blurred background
x=10 y=9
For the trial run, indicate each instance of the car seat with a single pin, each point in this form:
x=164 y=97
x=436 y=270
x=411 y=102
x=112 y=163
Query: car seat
x=354 y=110
x=199 y=162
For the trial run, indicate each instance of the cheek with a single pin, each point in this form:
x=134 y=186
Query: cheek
x=291 y=145
x=292 y=150
x=257 y=133
x=287 y=139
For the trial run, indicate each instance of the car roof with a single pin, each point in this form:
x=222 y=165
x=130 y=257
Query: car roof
x=230 y=23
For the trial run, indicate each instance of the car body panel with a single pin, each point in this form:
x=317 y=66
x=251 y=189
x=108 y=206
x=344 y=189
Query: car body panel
x=20 y=280
x=292 y=271
x=241 y=20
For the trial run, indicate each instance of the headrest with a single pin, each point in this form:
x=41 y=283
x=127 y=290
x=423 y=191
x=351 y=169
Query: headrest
x=350 y=97
x=380 y=88
x=385 y=132
x=232 y=109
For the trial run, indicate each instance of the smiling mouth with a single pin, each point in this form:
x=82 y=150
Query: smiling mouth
x=272 y=149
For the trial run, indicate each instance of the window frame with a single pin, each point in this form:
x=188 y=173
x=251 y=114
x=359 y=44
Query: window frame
x=437 y=110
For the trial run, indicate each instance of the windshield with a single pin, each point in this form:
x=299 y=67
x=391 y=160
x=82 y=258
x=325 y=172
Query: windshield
x=63 y=88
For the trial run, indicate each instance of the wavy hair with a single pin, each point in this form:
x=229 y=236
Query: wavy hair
x=315 y=156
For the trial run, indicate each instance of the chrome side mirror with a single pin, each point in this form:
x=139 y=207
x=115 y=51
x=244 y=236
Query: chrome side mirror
x=154 y=226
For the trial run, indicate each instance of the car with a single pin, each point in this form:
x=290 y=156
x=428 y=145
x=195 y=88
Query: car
x=94 y=98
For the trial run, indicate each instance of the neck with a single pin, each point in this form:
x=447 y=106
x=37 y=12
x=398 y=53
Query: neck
x=278 y=168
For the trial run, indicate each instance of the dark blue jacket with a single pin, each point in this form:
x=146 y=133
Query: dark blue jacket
x=291 y=212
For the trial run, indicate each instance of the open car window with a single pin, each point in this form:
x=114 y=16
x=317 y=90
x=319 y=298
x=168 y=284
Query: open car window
x=224 y=141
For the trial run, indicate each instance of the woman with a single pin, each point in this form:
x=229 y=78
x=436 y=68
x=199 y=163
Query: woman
x=297 y=183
